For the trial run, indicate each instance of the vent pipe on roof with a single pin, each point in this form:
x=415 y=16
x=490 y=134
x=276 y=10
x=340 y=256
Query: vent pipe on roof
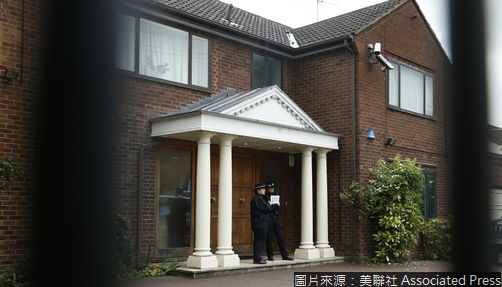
x=228 y=14
x=292 y=40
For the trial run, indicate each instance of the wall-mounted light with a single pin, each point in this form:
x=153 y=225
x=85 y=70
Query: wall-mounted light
x=371 y=134
x=10 y=75
x=390 y=141
x=291 y=160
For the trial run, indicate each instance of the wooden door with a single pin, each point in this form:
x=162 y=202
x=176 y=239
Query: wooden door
x=243 y=177
x=243 y=184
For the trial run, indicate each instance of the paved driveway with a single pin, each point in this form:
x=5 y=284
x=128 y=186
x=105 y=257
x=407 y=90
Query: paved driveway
x=282 y=278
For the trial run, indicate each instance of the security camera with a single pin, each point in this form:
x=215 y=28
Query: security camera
x=384 y=62
x=377 y=49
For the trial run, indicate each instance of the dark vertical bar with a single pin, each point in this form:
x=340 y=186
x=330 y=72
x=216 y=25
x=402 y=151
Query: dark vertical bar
x=468 y=145
x=76 y=145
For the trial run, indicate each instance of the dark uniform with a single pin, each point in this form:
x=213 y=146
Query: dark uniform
x=275 y=229
x=261 y=219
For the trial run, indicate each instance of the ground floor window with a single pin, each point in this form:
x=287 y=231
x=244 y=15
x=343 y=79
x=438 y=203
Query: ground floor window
x=429 y=207
x=175 y=193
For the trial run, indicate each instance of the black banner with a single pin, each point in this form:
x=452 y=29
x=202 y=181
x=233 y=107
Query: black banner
x=396 y=279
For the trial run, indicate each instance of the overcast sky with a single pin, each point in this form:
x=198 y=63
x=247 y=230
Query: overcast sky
x=297 y=13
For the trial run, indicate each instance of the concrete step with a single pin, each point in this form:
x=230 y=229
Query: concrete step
x=247 y=266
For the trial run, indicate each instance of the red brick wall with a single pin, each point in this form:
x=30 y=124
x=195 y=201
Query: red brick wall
x=416 y=137
x=323 y=90
x=19 y=103
x=143 y=98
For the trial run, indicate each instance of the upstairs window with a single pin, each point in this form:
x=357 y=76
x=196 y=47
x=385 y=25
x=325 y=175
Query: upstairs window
x=411 y=89
x=125 y=40
x=163 y=52
x=267 y=71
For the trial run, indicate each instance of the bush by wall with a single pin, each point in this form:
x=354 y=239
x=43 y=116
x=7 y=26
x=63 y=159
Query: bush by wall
x=392 y=200
x=437 y=239
x=123 y=255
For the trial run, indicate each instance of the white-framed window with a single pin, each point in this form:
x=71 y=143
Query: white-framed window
x=411 y=89
x=164 y=52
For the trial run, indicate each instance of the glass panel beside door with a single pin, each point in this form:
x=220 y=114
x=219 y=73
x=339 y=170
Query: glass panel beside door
x=175 y=193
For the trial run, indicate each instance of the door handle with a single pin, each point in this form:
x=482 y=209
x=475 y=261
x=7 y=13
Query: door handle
x=242 y=199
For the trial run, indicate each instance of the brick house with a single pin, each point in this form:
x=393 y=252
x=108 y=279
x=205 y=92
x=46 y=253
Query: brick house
x=215 y=99
x=20 y=80
x=322 y=78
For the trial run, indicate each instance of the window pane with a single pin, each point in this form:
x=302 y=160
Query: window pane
x=429 y=96
x=124 y=57
x=275 y=72
x=429 y=200
x=163 y=52
x=394 y=86
x=199 y=61
x=174 y=198
x=259 y=71
x=412 y=90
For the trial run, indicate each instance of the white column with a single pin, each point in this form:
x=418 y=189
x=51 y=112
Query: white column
x=322 y=243
x=307 y=249
x=202 y=256
x=224 y=252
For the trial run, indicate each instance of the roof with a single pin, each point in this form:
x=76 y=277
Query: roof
x=345 y=24
x=342 y=26
x=213 y=11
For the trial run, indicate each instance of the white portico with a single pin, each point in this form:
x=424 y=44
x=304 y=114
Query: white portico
x=263 y=119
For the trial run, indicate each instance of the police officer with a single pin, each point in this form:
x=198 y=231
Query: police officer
x=261 y=219
x=275 y=227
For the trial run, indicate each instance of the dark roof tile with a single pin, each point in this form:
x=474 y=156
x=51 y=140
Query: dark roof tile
x=213 y=11
x=343 y=25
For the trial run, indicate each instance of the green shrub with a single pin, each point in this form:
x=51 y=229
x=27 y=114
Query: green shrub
x=8 y=279
x=122 y=253
x=437 y=239
x=160 y=269
x=393 y=202
x=355 y=196
x=9 y=172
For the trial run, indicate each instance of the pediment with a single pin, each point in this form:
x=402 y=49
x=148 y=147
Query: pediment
x=272 y=105
x=262 y=119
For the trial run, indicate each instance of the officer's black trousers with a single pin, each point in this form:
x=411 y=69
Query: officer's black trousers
x=276 y=230
x=260 y=238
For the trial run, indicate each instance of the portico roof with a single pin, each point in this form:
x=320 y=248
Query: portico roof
x=263 y=119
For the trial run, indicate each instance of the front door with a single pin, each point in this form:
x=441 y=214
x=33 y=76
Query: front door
x=243 y=185
x=247 y=169
x=243 y=177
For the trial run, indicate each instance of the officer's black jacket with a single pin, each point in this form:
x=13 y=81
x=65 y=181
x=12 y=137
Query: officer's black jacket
x=260 y=212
